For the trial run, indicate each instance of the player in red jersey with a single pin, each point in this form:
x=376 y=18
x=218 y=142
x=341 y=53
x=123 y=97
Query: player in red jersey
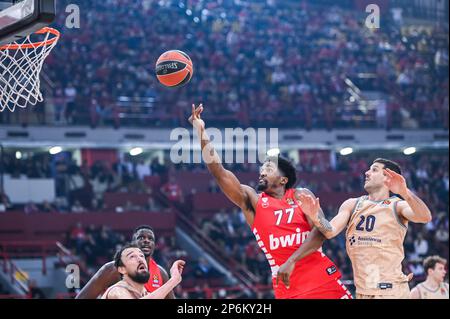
x=107 y=275
x=277 y=221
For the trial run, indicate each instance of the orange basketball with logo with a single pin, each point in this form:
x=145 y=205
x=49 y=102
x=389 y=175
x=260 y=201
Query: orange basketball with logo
x=174 y=68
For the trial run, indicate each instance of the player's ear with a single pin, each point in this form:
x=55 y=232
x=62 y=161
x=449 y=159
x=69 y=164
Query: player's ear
x=283 y=180
x=122 y=270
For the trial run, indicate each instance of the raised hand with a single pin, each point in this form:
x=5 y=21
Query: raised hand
x=177 y=269
x=395 y=182
x=195 y=118
x=309 y=205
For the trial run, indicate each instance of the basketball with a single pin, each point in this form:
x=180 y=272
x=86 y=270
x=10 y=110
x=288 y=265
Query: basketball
x=174 y=68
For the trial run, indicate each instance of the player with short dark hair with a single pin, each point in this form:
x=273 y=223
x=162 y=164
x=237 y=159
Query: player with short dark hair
x=277 y=221
x=434 y=286
x=107 y=275
x=132 y=266
x=376 y=228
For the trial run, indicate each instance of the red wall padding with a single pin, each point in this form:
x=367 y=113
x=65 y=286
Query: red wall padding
x=52 y=226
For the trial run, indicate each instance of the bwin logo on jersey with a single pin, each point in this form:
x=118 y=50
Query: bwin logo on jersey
x=288 y=240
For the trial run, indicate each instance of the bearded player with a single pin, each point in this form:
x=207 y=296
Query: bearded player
x=376 y=228
x=107 y=275
x=132 y=266
x=278 y=223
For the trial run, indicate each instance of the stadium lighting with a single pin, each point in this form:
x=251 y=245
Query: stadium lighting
x=346 y=151
x=136 y=151
x=273 y=152
x=55 y=150
x=18 y=155
x=409 y=150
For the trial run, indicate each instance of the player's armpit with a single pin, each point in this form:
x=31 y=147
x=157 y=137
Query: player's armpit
x=241 y=195
x=232 y=188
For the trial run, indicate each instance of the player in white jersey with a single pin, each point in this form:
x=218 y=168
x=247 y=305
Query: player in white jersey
x=434 y=286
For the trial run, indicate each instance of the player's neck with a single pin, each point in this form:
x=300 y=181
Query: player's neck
x=277 y=193
x=378 y=194
x=431 y=283
x=137 y=286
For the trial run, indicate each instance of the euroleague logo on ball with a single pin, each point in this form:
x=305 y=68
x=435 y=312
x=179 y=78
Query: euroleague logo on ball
x=174 y=68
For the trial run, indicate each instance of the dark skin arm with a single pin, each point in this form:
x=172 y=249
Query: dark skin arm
x=311 y=244
x=104 y=278
x=165 y=278
x=242 y=195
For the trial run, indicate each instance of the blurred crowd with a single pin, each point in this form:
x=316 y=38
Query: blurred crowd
x=288 y=60
x=82 y=187
x=426 y=174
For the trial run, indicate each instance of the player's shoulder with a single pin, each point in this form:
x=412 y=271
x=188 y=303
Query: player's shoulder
x=108 y=267
x=249 y=189
x=107 y=271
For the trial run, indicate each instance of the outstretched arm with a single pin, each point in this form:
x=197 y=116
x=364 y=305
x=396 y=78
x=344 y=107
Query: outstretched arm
x=310 y=206
x=163 y=291
x=413 y=208
x=105 y=277
x=242 y=195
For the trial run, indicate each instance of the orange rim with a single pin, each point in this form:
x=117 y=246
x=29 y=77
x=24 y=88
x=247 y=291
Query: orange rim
x=48 y=42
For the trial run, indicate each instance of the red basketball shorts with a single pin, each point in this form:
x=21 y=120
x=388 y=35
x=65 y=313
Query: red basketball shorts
x=332 y=290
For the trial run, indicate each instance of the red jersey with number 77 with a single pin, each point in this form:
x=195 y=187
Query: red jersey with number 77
x=280 y=227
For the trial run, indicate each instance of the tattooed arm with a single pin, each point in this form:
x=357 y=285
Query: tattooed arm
x=310 y=205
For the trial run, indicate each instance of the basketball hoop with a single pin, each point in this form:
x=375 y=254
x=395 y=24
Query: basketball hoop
x=20 y=65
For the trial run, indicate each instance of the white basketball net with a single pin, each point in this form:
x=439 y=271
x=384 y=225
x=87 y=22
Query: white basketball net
x=20 y=65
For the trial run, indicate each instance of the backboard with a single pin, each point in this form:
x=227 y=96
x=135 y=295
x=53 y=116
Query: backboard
x=19 y=18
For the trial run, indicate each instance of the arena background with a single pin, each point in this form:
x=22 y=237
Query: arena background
x=82 y=169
